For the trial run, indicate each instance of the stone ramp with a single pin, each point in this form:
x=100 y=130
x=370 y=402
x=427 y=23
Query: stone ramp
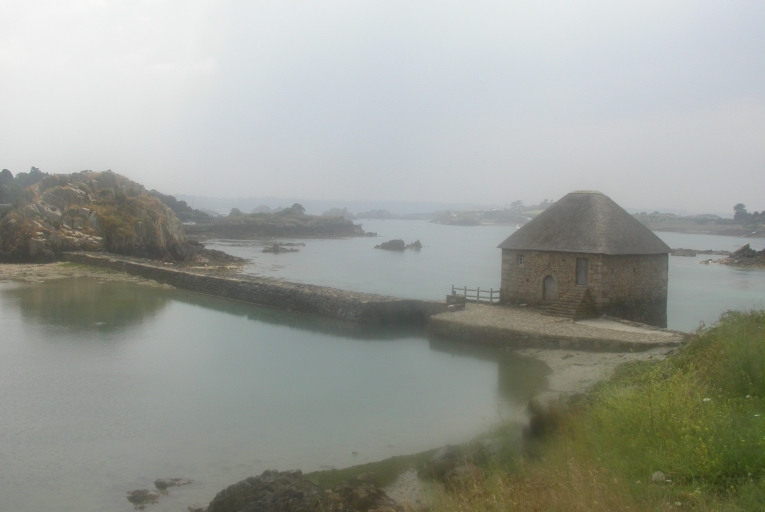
x=529 y=328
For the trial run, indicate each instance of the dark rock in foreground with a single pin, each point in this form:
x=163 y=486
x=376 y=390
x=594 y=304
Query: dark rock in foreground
x=288 y=491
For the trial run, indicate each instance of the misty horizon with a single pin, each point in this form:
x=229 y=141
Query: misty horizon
x=657 y=105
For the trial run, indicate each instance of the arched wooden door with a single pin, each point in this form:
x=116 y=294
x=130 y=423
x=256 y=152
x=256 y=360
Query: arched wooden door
x=548 y=290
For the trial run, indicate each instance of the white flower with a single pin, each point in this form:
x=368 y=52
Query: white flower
x=706 y=400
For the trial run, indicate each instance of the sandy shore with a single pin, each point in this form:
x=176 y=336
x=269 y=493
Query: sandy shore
x=39 y=272
x=575 y=371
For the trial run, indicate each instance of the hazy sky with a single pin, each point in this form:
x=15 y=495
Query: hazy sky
x=657 y=104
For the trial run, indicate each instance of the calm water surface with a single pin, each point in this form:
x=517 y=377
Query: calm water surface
x=467 y=256
x=107 y=386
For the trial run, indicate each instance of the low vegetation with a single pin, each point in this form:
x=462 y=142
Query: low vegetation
x=685 y=433
x=743 y=223
x=517 y=214
x=292 y=221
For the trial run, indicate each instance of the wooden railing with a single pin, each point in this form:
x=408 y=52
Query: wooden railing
x=477 y=295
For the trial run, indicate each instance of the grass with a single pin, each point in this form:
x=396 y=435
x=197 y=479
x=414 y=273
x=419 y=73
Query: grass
x=698 y=417
x=382 y=473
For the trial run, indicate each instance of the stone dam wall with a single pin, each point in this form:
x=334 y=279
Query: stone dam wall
x=362 y=308
x=476 y=334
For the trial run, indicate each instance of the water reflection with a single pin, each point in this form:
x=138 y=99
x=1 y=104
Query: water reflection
x=217 y=390
x=301 y=321
x=86 y=303
x=520 y=378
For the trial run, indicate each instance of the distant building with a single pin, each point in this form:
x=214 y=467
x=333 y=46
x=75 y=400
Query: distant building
x=586 y=256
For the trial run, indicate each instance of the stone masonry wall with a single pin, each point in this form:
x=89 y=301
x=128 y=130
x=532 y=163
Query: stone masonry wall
x=361 y=308
x=633 y=287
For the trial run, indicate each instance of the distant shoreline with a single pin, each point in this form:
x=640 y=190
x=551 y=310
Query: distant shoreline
x=734 y=231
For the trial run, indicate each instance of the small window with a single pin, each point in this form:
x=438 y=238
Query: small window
x=519 y=259
x=581 y=271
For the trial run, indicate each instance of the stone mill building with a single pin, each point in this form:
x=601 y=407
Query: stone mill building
x=585 y=256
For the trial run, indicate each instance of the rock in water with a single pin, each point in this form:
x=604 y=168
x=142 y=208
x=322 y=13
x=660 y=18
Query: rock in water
x=392 y=245
x=90 y=211
x=142 y=497
x=415 y=246
x=164 y=483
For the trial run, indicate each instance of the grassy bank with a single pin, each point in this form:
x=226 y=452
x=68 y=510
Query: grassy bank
x=697 y=417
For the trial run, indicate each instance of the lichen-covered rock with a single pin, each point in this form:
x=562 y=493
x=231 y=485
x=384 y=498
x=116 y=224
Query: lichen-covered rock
x=288 y=484
x=288 y=491
x=92 y=212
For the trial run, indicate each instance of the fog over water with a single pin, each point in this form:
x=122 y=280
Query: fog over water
x=657 y=104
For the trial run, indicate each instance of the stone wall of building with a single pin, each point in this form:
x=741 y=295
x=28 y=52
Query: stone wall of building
x=633 y=287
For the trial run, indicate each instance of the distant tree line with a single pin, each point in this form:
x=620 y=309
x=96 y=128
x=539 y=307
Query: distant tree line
x=181 y=209
x=295 y=209
x=741 y=215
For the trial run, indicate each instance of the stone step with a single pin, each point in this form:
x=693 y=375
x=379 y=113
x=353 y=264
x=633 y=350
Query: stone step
x=574 y=305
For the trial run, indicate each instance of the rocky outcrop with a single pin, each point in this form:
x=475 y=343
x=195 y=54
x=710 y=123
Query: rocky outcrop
x=392 y=245
x=745 y=256
x=399 y=245
x=280 y=248
x=288 y=491
x=92 y=212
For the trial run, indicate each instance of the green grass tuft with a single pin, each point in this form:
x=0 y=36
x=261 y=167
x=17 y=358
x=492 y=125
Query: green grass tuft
x=697 y=416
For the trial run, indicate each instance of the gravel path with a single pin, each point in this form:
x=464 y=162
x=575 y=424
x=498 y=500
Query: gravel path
x=528 y=328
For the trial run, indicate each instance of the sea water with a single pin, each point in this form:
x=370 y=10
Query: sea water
x=107 y=386
x=468 y=256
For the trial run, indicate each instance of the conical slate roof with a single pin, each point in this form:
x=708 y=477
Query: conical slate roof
x=589 y=222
